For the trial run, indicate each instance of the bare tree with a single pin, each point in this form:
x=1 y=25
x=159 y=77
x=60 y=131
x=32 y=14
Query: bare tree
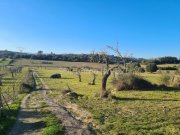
x=104 y=93
x=14 y=70
x=120 y=57
x=79 y=74
x=114 y=74
x=104 y=59
x=94 y=78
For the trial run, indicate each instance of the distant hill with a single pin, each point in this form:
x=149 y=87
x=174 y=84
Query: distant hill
x=84 y=57
x=9 y=54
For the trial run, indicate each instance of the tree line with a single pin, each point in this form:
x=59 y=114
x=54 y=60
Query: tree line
x=92 y=57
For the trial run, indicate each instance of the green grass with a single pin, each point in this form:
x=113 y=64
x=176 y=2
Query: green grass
x=29 y=62
x=9 y=82
x=4 y=62
x=167 y=65
x=52 y=126
x=131 y=113
x=8 y=121
x=10 y=115
x=154 y=78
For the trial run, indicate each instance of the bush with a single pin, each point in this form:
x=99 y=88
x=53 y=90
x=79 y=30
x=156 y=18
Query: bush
x=141 y=70
x=178 y=70
x=56 y=76
x=3 y=59
x=165 y=79
x=131 y=82
x=170 y=79
x=25 y=88
x=133 y=67
x=176 y=82
x=47 y=62
x=151 y=67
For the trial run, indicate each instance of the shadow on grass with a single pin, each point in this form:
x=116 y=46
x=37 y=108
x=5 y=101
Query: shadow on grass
x=22 y=127
x=7 y=120
x=159 y=88
x=9 y=78
x=165 y=88
x=142 y=99
x=8 y=82
x=66 y=78
x=56 y=78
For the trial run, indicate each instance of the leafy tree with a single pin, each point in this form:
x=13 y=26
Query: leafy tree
x=151 y=67
x=40 y=52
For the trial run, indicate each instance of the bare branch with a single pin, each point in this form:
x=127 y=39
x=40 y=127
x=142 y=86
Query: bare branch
x=118 y=53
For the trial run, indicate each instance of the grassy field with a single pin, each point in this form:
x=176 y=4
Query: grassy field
x=131 y=112
x=168 y=65
x=4 y=62
x=27 y=62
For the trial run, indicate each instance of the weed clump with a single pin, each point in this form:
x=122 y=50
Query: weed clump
x=176 y=82
x=165 y=79
x=28 y=83
x=168 y=79
x=25 y=88
x=130 y=81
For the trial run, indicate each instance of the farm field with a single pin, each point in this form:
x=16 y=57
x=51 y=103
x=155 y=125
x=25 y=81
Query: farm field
x=167 y=65
x=130 y=112
x=28 y=62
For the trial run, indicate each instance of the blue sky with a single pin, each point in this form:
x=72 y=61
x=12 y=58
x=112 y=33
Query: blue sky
x=144 y=28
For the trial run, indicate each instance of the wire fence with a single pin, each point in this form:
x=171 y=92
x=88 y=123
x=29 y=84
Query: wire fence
x=10 y=87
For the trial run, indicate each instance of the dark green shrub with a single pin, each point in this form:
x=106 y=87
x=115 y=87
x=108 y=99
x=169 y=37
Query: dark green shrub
x=56 y=76
x=3 y=59
x=47 y=62
x=133 y=67
x=141 y=70
x=151 y=67
x=131 y=82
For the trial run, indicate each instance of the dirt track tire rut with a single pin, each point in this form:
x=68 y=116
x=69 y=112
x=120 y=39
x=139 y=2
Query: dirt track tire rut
x=71 y=124
x=29 y=121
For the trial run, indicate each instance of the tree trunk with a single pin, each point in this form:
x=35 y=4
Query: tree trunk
x=104 y=92
x=94 y=80
x=114 y=74
x=12 y=74
x=79 y=77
